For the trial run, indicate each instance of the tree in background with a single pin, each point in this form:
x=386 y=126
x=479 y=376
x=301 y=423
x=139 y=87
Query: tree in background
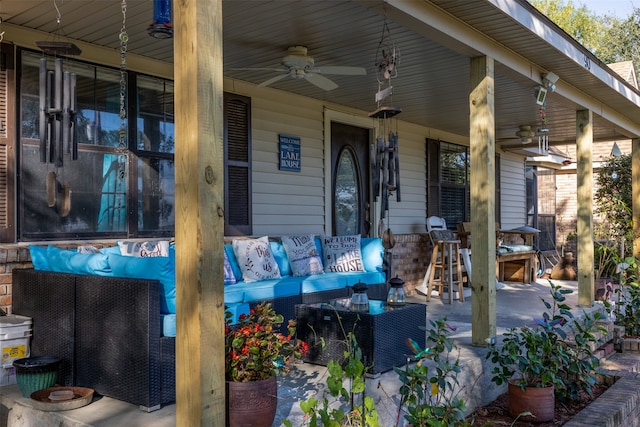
x=613 y=195
x=621 y=40
x=609 y=38
x=577 y=21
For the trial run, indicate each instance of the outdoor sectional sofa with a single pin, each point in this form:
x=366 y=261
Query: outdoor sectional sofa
x=109 y=317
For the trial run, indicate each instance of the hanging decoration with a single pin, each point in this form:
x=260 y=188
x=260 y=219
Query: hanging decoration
x=58 y=131
x=543 y=131
x=58 y=128
x=162 y=27
x=385 y=161
x=384 y=157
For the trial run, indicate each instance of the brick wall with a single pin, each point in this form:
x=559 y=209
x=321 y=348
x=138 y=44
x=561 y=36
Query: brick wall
x=11 y=256
x=411 y=256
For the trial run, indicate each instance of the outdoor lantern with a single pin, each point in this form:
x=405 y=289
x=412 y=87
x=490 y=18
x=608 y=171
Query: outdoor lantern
x=162 y=27
x=359 y=299
x=396 y=296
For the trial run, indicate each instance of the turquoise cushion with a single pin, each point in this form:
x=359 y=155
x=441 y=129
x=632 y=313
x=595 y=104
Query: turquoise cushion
x=233 y=294
x=510 y=248
x=280 y=255
x=318 y=243
x=39 y=257
x=68 y=261
x=231 y=256
x=156 y=268
x=110 y=250
x=268 y=289
x=330 y=281
x=372 y=253
x=168 y=325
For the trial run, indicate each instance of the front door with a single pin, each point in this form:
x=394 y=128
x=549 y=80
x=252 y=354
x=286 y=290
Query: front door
x=350 y=179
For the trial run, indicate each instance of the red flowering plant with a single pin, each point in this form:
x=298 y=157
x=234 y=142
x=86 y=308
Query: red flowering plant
x=256 y=350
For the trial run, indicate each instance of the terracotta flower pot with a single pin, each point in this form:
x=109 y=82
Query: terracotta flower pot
x=540 y=401
x=252 y=404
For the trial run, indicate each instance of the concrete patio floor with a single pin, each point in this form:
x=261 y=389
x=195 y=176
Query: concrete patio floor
x=517 y=304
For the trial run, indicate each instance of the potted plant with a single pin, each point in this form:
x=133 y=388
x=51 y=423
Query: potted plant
x=255 y=351
x=538 y=363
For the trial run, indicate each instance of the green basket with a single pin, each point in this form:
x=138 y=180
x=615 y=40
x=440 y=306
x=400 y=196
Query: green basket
x=36 y=373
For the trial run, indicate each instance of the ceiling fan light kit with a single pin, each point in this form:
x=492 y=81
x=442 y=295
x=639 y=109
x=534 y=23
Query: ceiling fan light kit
x=298 y=65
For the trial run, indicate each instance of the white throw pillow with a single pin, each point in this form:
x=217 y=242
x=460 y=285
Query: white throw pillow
x=303 y=255
x=256 y=259
x=342 y=254
x=144 y=249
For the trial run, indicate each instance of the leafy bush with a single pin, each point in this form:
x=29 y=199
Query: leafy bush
x=429 y=391
x=543 y=355
x=627 y=311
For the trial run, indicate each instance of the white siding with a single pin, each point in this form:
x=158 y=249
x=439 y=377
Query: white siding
x=512 y=191
x=296 y=202
x=409 y=215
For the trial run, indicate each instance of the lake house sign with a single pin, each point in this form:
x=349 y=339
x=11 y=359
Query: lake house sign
x=289 y=153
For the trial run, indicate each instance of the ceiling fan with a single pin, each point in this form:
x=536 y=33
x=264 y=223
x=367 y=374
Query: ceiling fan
x=524 y=135
x=298 y=65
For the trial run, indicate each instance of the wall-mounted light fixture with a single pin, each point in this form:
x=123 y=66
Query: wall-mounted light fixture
x=549 y=81
x=541 y=95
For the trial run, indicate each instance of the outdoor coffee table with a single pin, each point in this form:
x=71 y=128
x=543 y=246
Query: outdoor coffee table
x=381 y=333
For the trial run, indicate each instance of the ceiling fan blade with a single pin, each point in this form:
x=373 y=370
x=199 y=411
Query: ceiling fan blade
x=273 y=80
x=341 y=70
x=321 y=81
x=278 y=70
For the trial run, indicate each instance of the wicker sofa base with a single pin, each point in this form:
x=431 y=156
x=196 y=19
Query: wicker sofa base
x=107 y=331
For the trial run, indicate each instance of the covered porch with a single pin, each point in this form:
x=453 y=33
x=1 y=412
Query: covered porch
x=469 y=75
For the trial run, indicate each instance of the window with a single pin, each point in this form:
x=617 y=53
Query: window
x=347 y=195
x=448 y=175
x=116 y=191
x=454 y=183
x=237 y=164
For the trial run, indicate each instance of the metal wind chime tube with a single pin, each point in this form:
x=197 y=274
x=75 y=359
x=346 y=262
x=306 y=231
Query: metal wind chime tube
x=43 y=110
x=385 y=160
x=58 y=130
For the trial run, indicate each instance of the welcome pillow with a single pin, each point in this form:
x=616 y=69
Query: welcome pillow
x=256 y=259
x=342 y=254
x=303 y=255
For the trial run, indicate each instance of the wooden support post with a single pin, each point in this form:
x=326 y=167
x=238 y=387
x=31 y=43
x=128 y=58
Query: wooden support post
x=199 y=193
x=483 y=240
x=584 y=142
x=635 y=191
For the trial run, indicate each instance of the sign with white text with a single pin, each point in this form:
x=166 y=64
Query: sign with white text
x=289 y=153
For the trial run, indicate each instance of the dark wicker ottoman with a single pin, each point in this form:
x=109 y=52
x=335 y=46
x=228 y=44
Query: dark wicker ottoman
x=381 y=336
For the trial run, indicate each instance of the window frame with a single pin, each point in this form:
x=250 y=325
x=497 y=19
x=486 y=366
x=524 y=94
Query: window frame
x=436 y=186
x=134 y=155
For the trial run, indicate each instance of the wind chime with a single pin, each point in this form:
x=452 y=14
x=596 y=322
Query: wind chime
x=385 y=161
x=543 y=130
x=58 y=127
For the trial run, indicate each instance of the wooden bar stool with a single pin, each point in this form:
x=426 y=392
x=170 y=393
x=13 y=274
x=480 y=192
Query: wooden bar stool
x=445 y=260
